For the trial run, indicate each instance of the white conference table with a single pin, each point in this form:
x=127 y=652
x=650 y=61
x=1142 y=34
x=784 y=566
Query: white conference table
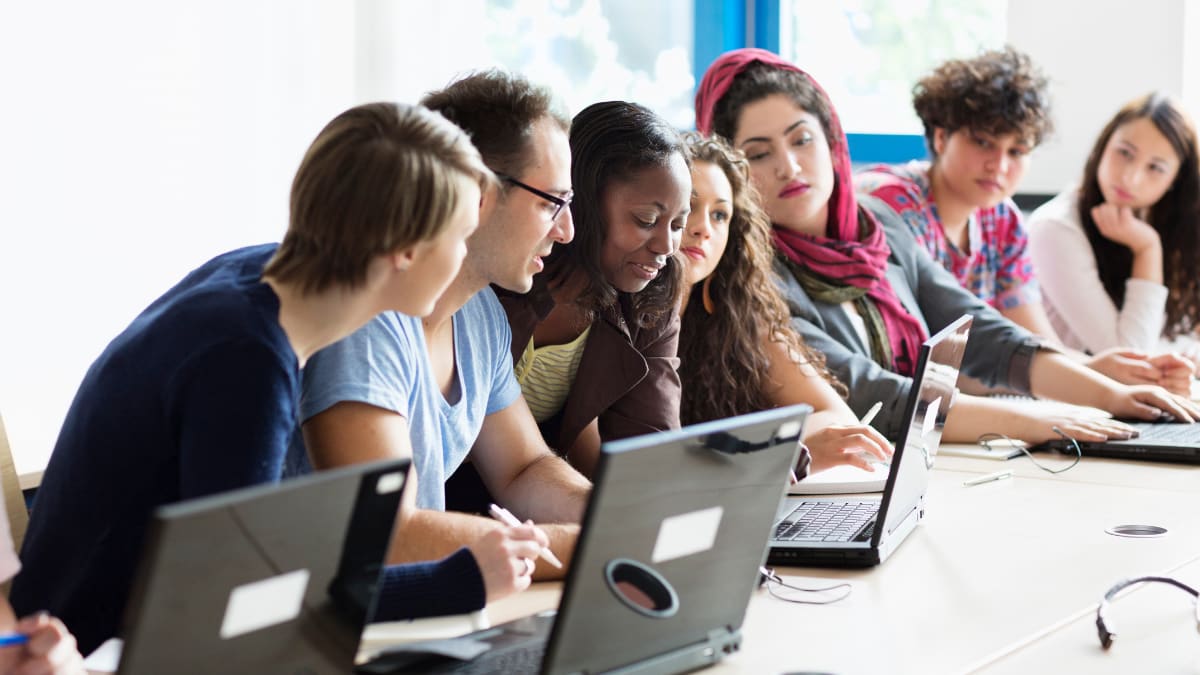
x=999 y=577
x=1155 y=628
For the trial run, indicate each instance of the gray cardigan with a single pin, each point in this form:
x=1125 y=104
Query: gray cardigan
x=999 y=352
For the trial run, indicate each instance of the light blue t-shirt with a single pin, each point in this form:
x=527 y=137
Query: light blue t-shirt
x=386 y=364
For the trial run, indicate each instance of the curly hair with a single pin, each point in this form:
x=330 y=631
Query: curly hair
x=723 y=356
x=611 y=141
x=1176 y=216
x=998 y=92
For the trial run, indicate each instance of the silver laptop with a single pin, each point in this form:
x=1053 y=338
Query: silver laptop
x=668 y=557
x=270 y=579
x=863 y=531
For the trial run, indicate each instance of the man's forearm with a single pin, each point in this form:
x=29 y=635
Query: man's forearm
x=548 y=490
x=432 y=535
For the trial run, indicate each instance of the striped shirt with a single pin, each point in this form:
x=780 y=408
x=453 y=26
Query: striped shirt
x=547 y=373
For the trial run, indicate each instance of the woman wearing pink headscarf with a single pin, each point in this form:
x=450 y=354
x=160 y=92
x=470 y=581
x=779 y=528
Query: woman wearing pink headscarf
x=861 y=290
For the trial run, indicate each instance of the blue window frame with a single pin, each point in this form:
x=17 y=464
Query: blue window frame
x=722 y=25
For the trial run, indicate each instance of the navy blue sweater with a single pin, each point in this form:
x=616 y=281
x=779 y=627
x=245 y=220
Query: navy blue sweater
x=197 y=396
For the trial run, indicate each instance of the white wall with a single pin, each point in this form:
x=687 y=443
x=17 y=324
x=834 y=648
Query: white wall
x=138 y=139
x=1098 y=55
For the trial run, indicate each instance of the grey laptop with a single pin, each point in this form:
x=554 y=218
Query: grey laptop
x=675 y=532
x=851 y=531
x=269 y=579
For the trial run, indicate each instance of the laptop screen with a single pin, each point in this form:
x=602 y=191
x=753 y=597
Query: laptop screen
x=275 y=577
x=935 y=378
x=675 y=531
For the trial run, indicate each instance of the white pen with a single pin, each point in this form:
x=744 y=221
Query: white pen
x=988 y=477
x=505 y=516
x=866 y=419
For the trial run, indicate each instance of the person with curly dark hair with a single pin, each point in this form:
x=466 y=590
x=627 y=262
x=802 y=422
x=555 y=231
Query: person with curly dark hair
x=594 y=341
x=862 y=291
x=737 y=352
x=1117 y=256
x=982 y=117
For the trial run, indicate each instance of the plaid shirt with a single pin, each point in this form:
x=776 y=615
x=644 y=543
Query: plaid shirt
x=998 y=269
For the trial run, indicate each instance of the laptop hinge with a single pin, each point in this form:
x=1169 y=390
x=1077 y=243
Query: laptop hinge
x=721 y=642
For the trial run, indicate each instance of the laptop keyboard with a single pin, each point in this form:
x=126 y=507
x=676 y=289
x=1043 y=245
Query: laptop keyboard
x=1171 y=433
x=522 y=657
x=516 y=659
x=827 y=521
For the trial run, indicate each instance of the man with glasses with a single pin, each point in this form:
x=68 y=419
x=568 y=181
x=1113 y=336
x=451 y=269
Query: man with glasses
x=442 y=389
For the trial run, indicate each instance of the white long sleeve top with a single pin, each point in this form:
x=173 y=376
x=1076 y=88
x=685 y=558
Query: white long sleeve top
x=1079 y=308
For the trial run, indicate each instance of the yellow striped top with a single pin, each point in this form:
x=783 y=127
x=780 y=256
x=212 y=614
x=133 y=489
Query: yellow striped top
x=547 y=373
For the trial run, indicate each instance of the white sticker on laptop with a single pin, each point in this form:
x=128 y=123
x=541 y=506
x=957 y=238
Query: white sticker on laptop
x=931 y=417
x=686 y=534
x=389 y=483
x=260 y=604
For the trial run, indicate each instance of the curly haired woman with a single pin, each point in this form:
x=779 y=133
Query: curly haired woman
x=733 y=307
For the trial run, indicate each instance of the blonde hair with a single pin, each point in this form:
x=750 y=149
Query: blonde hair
x=380 y=177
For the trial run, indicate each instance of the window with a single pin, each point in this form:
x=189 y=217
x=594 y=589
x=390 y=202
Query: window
x=868 y=54
x=584 y=50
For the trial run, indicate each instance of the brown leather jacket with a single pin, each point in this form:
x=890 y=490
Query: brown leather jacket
x=627 y=376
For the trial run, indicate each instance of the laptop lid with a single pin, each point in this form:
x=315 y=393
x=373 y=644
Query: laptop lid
x=933 y=392
x=668 y=556
x=275 y=578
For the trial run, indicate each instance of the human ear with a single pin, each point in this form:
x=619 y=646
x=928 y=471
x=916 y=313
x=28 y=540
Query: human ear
x=939 y=140
x=489 y=200
x=402 y=259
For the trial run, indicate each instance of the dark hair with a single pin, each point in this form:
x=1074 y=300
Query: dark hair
x=1176 y=216
x=498 y=110
x=379 y=177
x=998 y=92
x=611 y=141
x=760 y=80
x=723 y=357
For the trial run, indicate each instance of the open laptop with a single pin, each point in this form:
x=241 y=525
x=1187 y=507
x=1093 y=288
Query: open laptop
x=1164 y=441
x=276 y=578
x=667 y=559
x=846 y=531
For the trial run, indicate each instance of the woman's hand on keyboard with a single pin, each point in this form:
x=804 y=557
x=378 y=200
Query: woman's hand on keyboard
x=855 y=444
x=1029 y=426
x=1145 y=402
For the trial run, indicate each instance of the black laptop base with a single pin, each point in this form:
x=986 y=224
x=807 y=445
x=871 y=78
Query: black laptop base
x=1127 y=450
x=518 y=647
x=849 y=558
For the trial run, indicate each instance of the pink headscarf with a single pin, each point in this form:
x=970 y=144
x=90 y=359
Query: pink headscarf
x=840 y=255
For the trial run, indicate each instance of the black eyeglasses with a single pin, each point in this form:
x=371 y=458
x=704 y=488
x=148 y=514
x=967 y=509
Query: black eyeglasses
x=560 y=203
x=1106 y=635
